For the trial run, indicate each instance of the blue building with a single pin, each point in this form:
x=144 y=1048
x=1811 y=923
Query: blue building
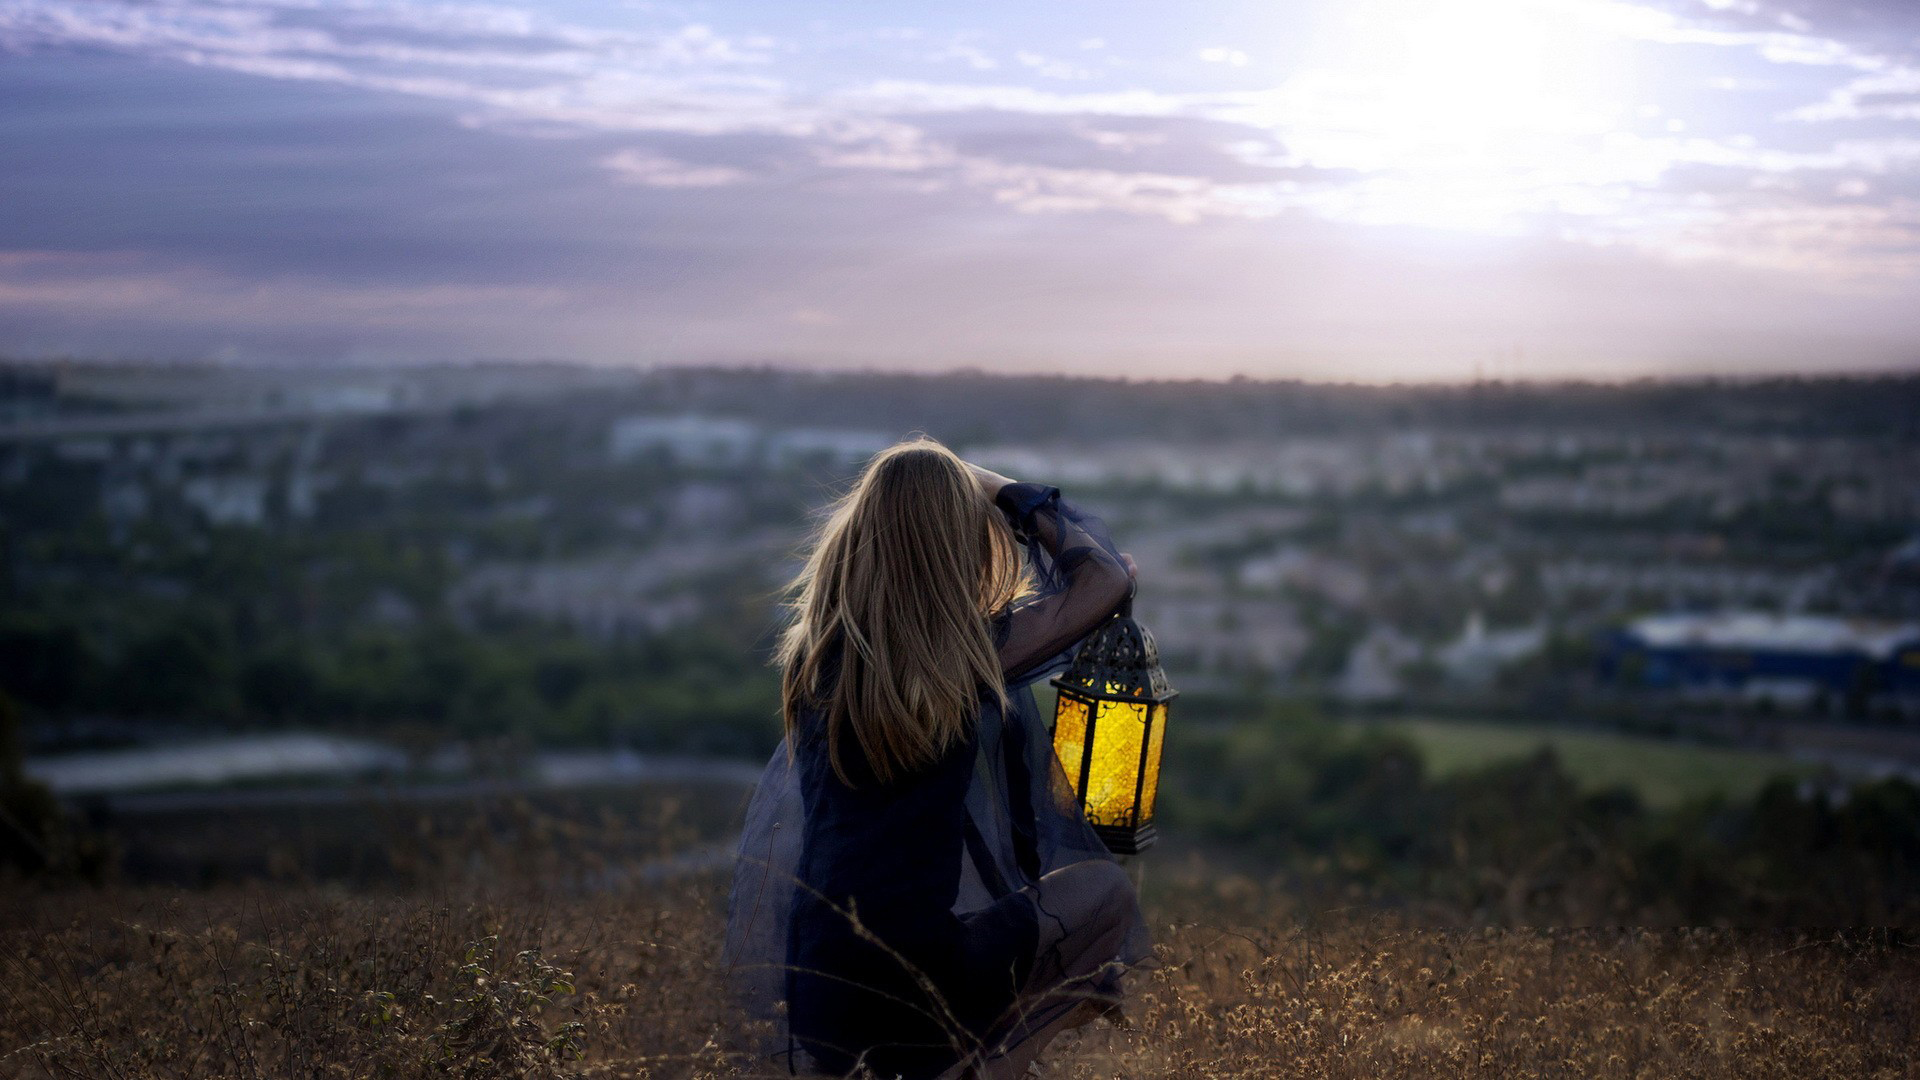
x=1792 y=660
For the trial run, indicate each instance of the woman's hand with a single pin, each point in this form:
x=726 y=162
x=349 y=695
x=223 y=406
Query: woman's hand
x=990 y=482
x=1126 y=560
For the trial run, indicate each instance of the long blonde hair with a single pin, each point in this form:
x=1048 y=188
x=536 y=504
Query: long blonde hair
x=902 y=577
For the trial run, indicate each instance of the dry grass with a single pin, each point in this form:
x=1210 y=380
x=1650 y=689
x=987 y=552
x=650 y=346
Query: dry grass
x=300 y=981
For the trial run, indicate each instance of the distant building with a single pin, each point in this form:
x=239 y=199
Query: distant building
x=85 y=449
x=1226 y=634
x=1903 y=562
x=705 y=506
x=717 y=441
x=228 y=500
x=350 y=398
x=303 y=493
x=841 y=447
x=1479 y=654
x=124 y=499
x=691 y=440
x=1786 y=659
x=1372 y=675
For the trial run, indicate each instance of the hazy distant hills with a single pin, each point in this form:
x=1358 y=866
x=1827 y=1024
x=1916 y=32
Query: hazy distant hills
x=969 y=406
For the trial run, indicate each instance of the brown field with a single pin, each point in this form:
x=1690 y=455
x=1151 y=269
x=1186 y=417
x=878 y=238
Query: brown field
x=494 y=981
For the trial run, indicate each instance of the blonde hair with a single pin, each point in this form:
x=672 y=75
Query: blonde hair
x=903 y=576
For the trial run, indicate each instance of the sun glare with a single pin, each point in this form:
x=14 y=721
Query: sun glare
x=1474 y=114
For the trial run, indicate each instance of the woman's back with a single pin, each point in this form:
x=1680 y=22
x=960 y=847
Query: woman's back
x=913 y=912
x=878 y=962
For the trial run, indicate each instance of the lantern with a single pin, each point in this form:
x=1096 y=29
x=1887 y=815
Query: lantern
x=1108 y=727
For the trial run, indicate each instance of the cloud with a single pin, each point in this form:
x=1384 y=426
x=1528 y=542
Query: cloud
x=512 y=64
x=653 y=170
x=137 y=305
x=1051 y=68
x=969 y=55
x=1883 y=95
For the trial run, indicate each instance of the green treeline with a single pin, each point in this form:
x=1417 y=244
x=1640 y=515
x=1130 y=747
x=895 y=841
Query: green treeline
x=694 y=691
x=1358 y=817
x=1352 y=817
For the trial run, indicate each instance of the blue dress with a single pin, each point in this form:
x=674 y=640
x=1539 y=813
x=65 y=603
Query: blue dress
x=885 y=924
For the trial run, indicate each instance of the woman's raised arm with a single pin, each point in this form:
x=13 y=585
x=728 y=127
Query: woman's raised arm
x=1081 y=578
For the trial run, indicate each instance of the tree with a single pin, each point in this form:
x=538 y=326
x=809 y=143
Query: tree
x=34 y=835
x=43 y=663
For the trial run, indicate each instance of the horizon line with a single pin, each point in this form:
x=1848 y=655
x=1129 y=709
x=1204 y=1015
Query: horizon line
x=748 y=367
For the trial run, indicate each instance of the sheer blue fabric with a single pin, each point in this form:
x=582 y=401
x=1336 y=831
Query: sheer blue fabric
x=1017 y=821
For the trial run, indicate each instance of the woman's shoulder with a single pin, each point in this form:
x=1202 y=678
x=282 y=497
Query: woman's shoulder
x=811 y=705
x=1000 y=626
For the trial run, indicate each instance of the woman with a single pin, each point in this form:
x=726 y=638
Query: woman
x=917 y=893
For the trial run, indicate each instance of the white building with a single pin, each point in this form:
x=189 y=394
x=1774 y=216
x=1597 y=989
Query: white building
x=839 y=445
x=1477 y=655
x=692 y=440
x=228 y=500
x=1372 y=674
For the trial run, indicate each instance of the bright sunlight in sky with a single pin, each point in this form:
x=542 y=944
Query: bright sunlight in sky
x=1348 y=189
x=1470 y=115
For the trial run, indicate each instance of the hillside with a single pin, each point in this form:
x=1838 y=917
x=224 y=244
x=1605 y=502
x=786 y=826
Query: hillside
x=523 y=981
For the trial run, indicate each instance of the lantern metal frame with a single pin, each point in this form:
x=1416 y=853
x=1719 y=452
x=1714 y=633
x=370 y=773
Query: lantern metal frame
x=1118 y=662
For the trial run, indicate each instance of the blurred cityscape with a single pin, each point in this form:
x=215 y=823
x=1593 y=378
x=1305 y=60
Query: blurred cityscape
x=572 y=557
x=354 y=622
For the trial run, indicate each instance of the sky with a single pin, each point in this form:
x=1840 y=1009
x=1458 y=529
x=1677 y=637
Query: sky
x=1372 y=190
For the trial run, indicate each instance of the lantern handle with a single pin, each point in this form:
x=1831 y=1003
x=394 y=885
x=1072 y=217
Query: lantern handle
x=1125 y=610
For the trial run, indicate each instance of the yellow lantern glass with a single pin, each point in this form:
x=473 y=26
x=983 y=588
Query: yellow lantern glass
x=1109 y=725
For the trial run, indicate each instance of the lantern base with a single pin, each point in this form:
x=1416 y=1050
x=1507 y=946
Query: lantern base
x=1124 y=841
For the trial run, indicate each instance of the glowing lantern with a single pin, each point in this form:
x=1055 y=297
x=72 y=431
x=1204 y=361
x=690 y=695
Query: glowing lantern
x=1108 y=728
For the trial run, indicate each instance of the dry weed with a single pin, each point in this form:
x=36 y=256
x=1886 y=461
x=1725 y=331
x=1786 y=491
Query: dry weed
x=300 y=981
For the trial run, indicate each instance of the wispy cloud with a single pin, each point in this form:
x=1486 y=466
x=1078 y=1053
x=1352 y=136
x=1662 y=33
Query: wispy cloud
x=1884 y=95
x=653 y=170
x=1049 y=67
x=1219 y=54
